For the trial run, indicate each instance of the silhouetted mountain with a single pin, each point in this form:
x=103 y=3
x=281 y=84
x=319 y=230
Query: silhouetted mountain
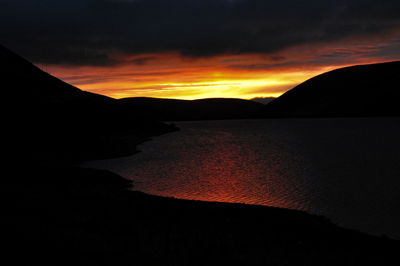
x=26 y=81
x=52 y=119
x=357 y=91
x=203 y=109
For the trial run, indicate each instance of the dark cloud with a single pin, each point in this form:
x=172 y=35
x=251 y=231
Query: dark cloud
x=89 y=32
x=260 y=66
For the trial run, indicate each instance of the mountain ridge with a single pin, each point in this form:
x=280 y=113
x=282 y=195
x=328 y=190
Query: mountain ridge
x=36 y=83
x=56 y=122
x=355 y=91
x=199 y=109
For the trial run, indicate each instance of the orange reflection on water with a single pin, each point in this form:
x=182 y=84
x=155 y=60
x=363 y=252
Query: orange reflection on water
x=224 y=169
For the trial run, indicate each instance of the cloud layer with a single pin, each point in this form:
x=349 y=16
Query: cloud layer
x=195 y=49
x=102 y=32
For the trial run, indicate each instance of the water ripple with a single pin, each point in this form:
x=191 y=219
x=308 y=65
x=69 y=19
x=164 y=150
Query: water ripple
x=346 y=169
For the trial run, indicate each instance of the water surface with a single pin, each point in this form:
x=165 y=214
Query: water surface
x=345 y=169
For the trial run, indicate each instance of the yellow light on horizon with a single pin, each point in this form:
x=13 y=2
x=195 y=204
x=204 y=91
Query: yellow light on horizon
x=172 y=75
x=169 y=76
x=194 y=90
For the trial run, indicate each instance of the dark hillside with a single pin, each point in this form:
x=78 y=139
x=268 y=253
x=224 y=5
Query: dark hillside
x=54 y=121
x=357 y=91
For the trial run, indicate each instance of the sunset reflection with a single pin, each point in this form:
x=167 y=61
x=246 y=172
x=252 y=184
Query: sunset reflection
x=214 y=164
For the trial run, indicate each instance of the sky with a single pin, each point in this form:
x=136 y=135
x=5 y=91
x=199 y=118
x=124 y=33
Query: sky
x=192 y=49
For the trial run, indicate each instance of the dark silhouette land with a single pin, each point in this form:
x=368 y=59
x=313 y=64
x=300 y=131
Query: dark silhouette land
x=58 y=122
x=204 y=109
x=357 y=91
x=53 y=213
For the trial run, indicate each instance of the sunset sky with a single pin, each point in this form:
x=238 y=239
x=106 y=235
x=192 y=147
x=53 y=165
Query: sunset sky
x=196 y=49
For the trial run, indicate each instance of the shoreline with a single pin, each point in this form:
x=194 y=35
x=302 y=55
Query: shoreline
x=168 y=154
x=90 y=217
x=95 y=218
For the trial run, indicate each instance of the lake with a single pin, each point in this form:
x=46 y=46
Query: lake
x=345 y=169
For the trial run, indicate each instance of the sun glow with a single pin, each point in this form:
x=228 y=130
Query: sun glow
x=221 y=88
x=211 y=88
x=174 y=76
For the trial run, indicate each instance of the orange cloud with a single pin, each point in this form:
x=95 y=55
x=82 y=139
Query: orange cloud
x=171 y=75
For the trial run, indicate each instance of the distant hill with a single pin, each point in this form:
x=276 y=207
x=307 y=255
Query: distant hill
x=203 y=109
x=263 y=100
x=357 y=91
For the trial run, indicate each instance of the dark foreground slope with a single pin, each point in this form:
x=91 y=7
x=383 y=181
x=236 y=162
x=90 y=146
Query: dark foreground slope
x=203 y=109
x=46 y=118
x=81 y=224
x=357 y=91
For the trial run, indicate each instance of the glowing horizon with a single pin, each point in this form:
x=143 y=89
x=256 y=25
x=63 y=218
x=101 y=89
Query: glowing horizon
x=171 y=75
x=211 y=86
